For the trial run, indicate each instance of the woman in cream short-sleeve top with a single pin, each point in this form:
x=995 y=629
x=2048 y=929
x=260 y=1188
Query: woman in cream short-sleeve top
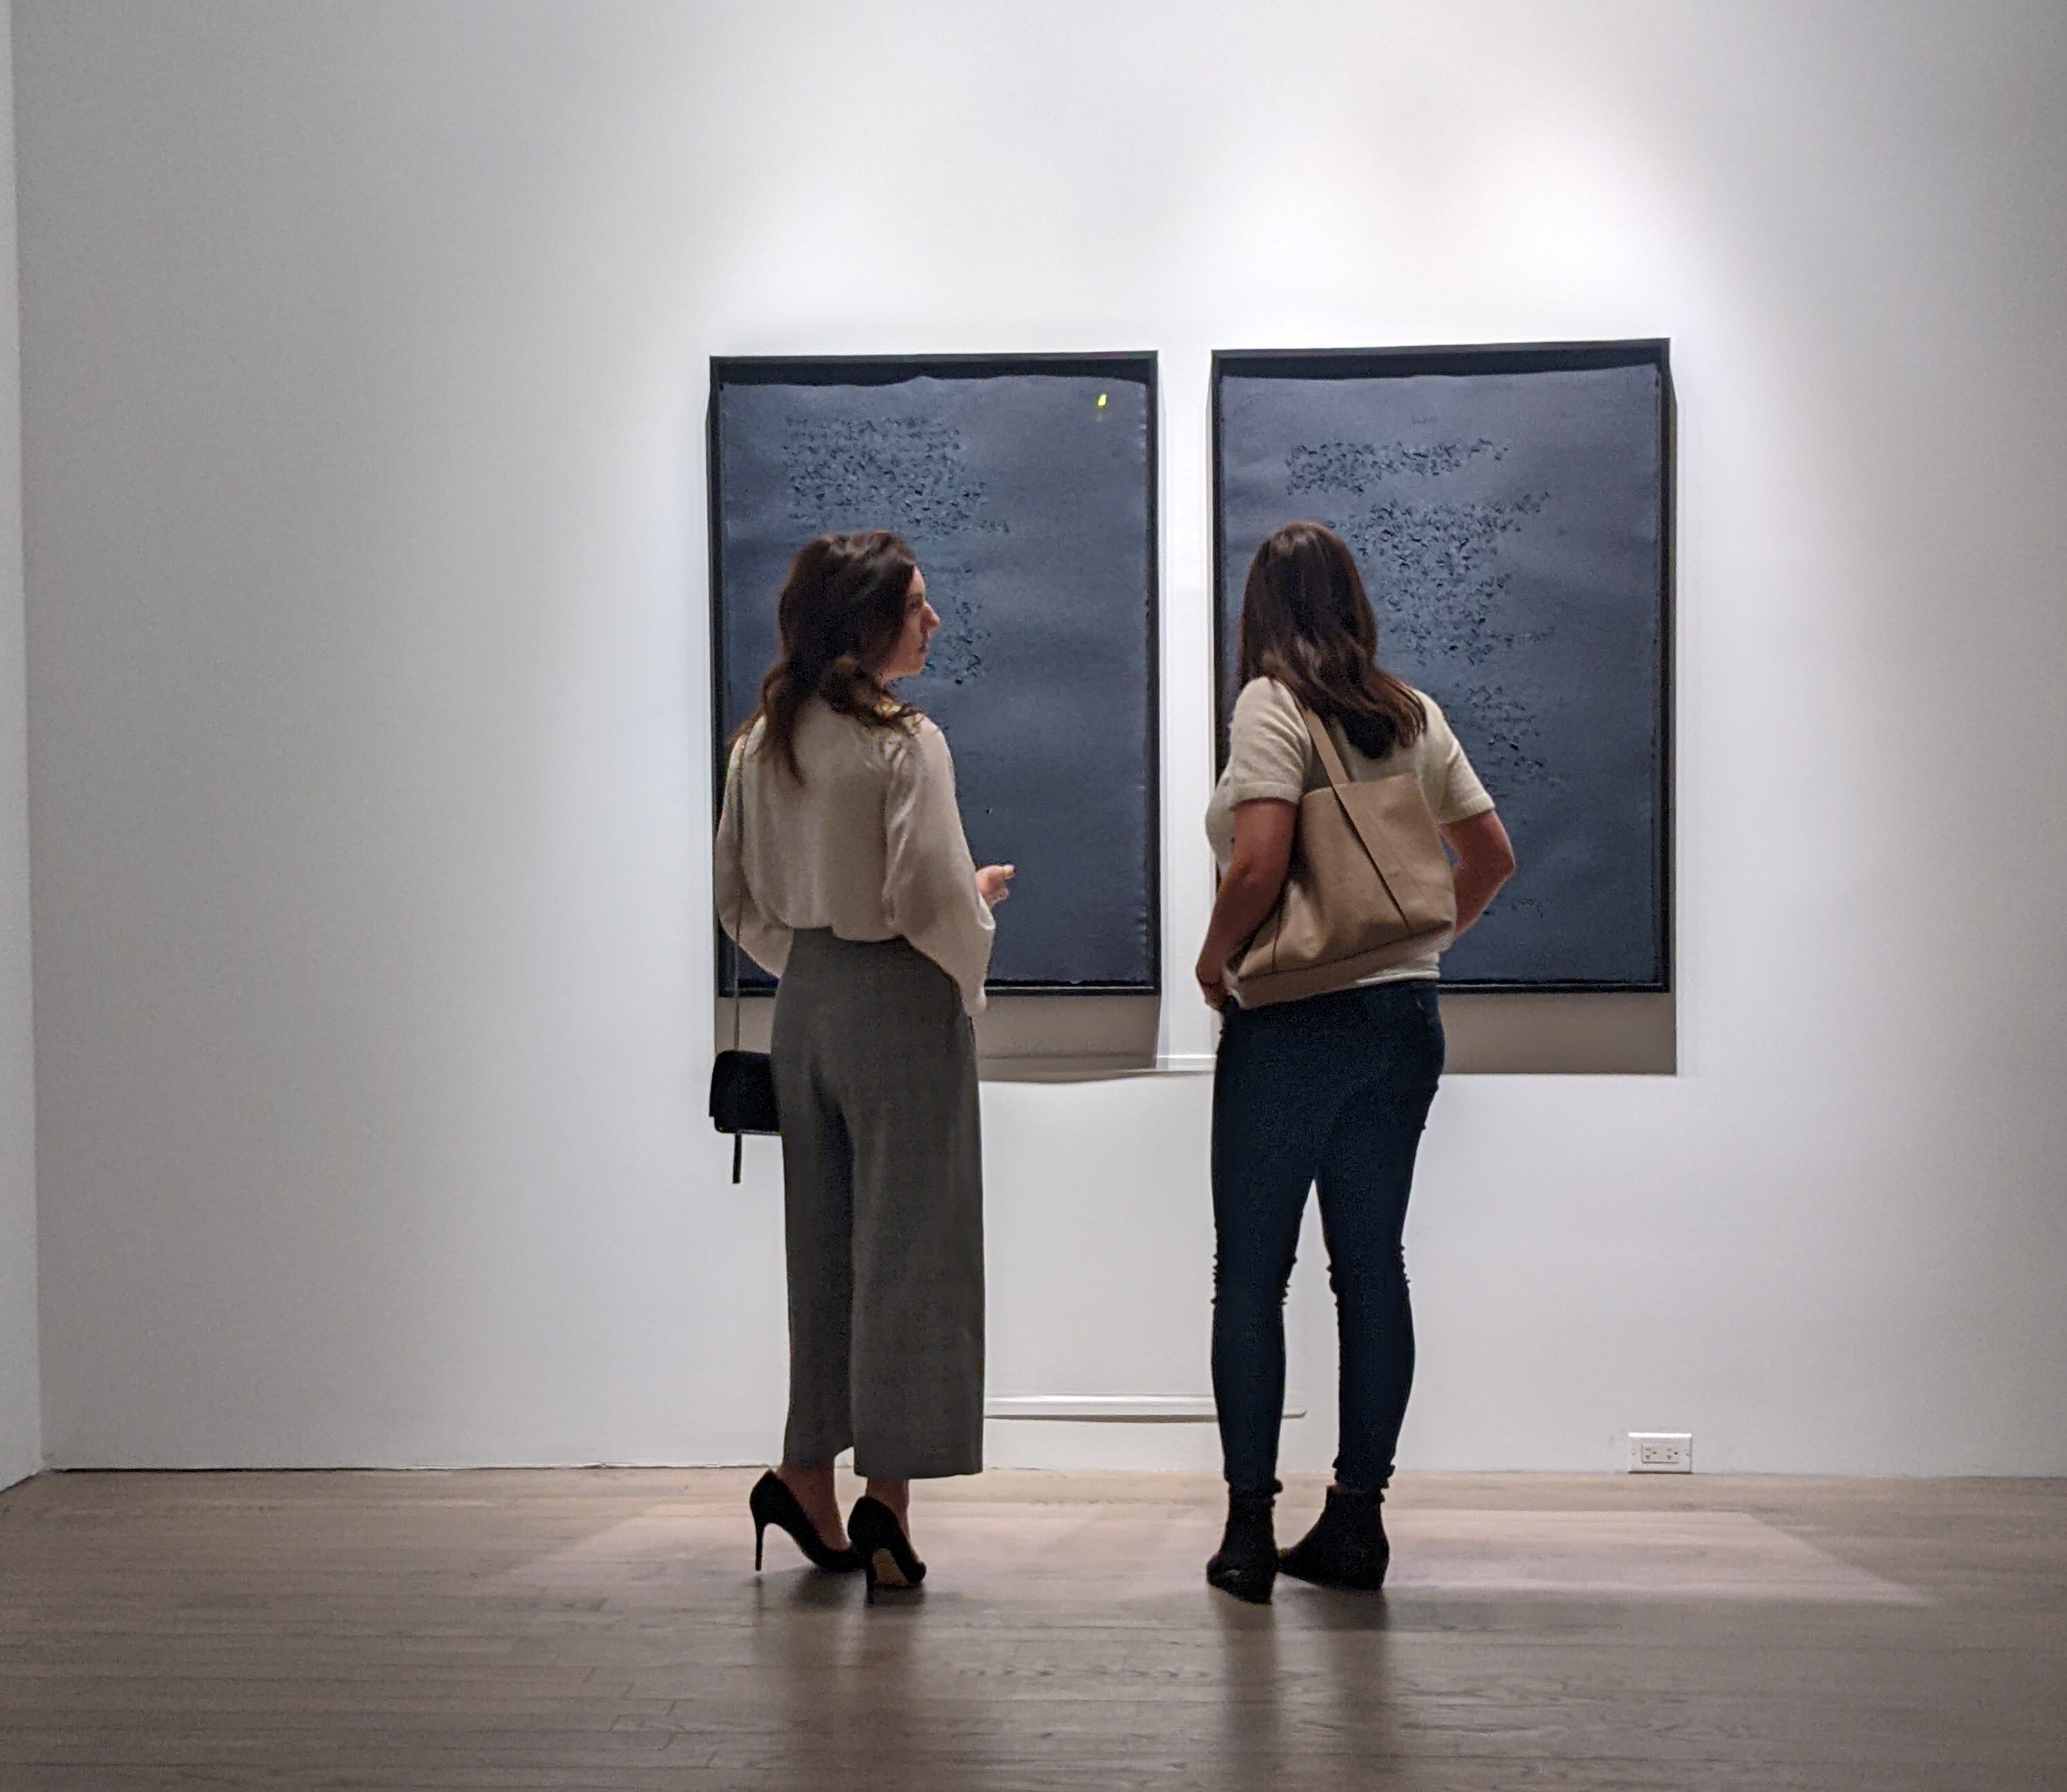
x=1330 y=1088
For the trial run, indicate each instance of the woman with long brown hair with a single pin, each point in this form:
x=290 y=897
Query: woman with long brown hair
x=1332 y=1088
x=841 y=868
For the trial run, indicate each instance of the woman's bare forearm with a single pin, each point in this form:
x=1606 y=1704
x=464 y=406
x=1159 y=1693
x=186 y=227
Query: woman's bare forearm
x=1485 y=861
x=1477 y=882
x=1263 y=827
x=1248 y=892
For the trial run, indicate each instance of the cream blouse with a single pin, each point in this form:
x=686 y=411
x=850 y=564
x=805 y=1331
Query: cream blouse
x=869 y=845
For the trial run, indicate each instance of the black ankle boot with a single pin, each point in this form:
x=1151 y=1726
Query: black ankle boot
x=1346 y=1548
x=1246 y=1565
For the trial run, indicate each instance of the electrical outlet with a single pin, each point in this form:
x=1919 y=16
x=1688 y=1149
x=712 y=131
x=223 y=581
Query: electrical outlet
x=1661 y=1453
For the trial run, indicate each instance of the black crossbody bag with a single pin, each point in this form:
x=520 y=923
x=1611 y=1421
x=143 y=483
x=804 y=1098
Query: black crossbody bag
x=742 y=1086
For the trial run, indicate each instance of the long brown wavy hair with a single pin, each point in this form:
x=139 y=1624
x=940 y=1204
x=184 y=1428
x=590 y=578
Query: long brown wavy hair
x=1306 y=623
x=841 y=607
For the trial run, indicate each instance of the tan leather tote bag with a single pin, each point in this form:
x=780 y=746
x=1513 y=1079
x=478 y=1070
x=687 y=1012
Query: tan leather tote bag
x=1369 y=886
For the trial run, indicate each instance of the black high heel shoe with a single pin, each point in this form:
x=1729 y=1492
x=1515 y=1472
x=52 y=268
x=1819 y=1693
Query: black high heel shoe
x=772 y=1502
x=886 y=1553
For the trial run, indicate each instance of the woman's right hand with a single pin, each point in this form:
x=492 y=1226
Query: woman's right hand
x=991 y=881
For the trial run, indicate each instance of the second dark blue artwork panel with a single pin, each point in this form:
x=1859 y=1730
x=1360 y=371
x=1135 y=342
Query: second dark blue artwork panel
x=1025 y=486
x=1509 y=510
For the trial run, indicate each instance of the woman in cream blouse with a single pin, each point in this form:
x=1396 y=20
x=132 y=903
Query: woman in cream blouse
x=841 y=868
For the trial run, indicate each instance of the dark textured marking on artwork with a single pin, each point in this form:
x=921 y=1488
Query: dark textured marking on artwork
x=906 y=472
x=909 y=476
x=1433 y=566
x=956 y=651
x=1358 y=466
x=1506 y=733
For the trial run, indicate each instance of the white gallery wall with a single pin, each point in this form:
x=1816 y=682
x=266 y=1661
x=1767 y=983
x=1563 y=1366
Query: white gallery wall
x=365 y=350
x=20 y=1425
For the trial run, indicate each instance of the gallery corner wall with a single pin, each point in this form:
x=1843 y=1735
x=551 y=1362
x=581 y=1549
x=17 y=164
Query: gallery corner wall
x=365 y=350
x=21 y=1431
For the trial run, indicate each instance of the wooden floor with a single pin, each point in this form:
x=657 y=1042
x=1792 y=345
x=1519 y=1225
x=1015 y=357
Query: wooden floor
x=578 y=1629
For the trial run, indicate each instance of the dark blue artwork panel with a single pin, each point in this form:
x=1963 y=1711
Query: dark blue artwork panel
x=1026 y=488
x=1510 y=512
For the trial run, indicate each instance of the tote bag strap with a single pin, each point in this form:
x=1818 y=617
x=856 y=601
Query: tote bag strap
x=1324 y=745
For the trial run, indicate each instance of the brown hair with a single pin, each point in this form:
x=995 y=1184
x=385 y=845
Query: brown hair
x=842 y=606
x=1306 y=623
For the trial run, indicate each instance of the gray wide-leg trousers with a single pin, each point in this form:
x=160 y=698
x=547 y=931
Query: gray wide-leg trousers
x=883 y=1176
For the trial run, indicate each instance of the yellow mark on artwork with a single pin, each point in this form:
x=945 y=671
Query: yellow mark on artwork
x=1101 y=401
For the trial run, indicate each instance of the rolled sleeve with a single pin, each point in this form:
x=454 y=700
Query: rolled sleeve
x=929 y=890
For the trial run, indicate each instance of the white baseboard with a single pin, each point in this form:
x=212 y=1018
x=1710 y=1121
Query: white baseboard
x=1136 y=1408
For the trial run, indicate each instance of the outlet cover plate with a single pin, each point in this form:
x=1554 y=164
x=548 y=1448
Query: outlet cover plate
x=1661 y=1453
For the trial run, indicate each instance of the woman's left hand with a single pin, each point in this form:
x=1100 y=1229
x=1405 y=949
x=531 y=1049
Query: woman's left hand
x=1212 y=981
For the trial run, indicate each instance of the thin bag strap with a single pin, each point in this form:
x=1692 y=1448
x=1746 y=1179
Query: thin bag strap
x=738 y=785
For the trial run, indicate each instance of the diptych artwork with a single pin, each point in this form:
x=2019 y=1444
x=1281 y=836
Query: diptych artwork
x=1026 y=487
x=1510 y=510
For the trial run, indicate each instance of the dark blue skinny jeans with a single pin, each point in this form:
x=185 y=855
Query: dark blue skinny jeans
x=1335 y=1089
